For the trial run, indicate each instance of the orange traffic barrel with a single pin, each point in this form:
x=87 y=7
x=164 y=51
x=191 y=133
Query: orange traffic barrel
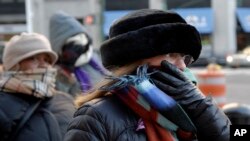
x=212 y=82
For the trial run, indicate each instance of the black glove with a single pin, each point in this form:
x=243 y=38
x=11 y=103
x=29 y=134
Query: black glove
x=173 y=82
x=203 y=112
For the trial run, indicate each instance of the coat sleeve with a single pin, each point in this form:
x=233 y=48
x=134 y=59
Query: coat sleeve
x=211 y=123
x=87 y=125
x=63 y=108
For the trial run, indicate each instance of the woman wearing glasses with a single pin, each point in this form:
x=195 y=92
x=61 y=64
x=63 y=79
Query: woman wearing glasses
x=148 y=97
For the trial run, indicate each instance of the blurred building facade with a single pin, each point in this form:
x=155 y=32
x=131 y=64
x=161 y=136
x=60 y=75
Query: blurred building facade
x=224 y=25
x=18 y=16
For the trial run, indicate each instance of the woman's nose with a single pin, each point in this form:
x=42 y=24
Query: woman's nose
x=180 y=64
x=43 y=63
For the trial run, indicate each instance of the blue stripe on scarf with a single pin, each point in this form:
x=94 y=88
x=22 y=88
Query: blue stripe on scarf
x=149 y=94
x=157 y=98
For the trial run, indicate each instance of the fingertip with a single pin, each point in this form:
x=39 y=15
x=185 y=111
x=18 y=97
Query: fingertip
x=164 y=62
x=167 y=65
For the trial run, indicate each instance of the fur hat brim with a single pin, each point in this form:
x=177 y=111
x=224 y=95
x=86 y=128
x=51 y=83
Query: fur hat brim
x=151 y=41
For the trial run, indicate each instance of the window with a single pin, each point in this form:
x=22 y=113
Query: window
x=126 y=4
x=188 y=3
x=243 y=3
x=12 y=7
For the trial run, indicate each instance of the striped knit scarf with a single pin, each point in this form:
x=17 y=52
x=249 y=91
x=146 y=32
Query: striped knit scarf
x=163 y=118
x=37 y=82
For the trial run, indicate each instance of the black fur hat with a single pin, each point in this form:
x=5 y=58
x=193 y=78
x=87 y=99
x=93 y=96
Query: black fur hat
x=146 y=33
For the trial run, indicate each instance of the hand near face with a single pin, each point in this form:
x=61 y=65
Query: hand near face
x=172 y=81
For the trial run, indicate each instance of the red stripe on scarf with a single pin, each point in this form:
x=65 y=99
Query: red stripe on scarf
x=154 y=131
x=129 y=97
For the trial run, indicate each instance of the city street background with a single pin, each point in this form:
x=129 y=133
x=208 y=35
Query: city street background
x=224 y=27
x=237 y=84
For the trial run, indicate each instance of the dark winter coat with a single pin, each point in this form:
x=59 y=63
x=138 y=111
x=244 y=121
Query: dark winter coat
x=48 y=123
x=107 y=119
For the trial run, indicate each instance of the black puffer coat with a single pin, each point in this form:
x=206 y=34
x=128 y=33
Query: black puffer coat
x=48 y=123
x=105 y=119
x=108 y=119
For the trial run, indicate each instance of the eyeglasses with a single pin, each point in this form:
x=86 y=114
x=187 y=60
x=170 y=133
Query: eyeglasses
x=188 y=59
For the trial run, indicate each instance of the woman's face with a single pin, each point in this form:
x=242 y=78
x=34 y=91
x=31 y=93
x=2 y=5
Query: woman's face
x=180 y=60
x=37 y=61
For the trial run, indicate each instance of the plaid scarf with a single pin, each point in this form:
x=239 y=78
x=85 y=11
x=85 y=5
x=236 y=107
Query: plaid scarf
x=37 y=82
x=163 y=118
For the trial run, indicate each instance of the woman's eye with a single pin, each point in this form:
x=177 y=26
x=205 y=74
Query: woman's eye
x=30 y=59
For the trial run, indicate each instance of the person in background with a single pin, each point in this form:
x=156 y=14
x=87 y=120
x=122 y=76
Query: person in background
x=30 y=106
x=79 y=66
x=148 y=97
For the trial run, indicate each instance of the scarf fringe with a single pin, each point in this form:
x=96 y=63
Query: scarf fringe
x=125 y=80
x=137 y=91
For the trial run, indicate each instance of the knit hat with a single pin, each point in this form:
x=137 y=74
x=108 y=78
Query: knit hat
x=24 y=46
x=63 y=26
x=146 y=33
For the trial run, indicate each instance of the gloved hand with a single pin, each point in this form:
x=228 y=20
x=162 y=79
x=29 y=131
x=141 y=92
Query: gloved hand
x=202 y=110
x=173 y=82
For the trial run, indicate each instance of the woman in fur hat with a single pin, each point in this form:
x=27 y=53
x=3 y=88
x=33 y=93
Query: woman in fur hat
x=30 y=107
x=149 y=97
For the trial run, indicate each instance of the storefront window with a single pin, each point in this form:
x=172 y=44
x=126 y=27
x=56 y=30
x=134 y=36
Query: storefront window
x=243 y=28
x=243 y=3
x=126 y=4
x=188 y=3
x=12 y=7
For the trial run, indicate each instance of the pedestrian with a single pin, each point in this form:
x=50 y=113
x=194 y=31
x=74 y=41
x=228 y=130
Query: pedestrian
x=79 y=66
x=31 y=108
x=148 y=97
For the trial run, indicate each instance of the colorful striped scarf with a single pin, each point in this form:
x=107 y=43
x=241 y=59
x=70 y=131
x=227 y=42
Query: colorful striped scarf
x=163 y=118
